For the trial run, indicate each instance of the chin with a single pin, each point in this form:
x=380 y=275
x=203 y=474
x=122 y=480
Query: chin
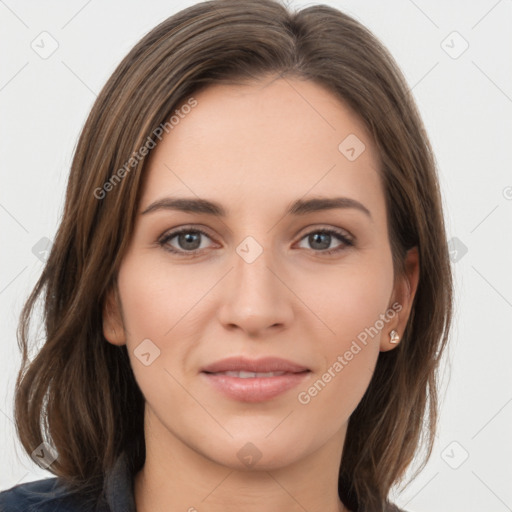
x=258 y=455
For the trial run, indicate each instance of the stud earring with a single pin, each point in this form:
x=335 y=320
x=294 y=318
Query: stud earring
x=394 y=337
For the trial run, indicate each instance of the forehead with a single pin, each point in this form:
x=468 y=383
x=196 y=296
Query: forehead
x=266 y=142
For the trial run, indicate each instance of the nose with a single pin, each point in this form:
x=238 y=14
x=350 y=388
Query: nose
x=255 y=297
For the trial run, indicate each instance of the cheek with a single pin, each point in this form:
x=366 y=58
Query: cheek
x=353 y=305
x=160 y=304
x=333 y=394
x=154 y=298
x=152 y=310
x=349 y=299
x=355 y=310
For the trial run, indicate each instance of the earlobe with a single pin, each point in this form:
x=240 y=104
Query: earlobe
x=403 y=294
x=113 y=329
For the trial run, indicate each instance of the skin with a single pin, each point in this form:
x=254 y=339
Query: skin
x=255 y=148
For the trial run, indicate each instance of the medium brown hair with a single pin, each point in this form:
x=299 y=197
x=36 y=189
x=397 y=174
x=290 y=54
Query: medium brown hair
x=79 y=393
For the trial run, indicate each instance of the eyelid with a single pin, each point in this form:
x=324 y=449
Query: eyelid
x=313 y=228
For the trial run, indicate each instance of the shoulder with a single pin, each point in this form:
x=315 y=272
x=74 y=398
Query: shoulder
x=46 y=495
x=29 y=496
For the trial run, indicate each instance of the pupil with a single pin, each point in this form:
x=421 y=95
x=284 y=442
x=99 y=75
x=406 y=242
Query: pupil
x=190 y=240
x=317 y=237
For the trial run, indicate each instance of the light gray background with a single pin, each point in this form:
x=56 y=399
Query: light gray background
x=466 y=103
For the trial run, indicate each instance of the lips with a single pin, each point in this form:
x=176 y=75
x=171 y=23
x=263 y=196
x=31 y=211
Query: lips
x=254 y=380
x=250 y=375
x=263 y=365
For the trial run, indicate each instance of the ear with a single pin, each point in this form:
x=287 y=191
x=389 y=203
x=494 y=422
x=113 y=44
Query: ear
x=113 y=325
x=402 y=298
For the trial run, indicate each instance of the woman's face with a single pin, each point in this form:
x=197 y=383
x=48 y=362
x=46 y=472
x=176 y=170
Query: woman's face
x=273 y=276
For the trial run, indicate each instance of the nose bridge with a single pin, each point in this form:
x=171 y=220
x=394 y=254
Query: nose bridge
x=252 y=276
x=255 y=298
x=253 y=262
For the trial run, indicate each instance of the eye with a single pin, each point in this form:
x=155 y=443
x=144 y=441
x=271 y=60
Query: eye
x=321 y=239
x=187 y=239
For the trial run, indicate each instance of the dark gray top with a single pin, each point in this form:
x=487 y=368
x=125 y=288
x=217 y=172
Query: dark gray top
x=50 y=495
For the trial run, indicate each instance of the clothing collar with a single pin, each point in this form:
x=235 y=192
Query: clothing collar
x=118 y=486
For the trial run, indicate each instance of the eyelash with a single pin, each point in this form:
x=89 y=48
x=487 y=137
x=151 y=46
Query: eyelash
x=346 y=241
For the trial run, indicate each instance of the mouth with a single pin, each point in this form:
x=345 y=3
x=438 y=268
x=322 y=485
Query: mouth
x=259 y=380
x=248 y=375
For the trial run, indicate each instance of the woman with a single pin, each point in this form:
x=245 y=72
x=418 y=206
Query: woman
x=249 y=291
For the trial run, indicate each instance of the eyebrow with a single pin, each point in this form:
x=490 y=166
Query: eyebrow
x=298 y=207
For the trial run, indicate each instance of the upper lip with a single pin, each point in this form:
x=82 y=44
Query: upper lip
x=263 y=365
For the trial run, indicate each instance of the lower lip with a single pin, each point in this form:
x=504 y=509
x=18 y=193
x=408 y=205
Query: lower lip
x=255 y=389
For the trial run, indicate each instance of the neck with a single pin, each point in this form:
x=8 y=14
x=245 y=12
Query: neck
x=177 y=477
